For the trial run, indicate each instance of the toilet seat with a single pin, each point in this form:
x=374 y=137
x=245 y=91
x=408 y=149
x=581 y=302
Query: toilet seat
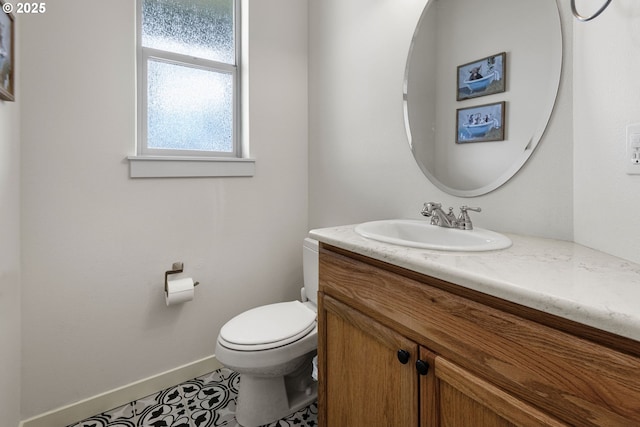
x=268 y=326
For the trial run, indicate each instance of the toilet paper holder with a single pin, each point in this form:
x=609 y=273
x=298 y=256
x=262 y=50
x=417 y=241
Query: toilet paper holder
x=176 y=267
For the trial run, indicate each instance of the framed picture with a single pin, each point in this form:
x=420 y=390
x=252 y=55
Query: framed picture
x=481 y=123
x=485 y=76
x=7 y=63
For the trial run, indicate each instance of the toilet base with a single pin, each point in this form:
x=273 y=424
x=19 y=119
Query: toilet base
x=263 y=400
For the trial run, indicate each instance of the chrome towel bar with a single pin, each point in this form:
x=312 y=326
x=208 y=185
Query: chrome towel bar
x=587 y=18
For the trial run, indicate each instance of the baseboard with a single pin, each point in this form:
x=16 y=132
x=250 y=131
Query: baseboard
x=78 y=411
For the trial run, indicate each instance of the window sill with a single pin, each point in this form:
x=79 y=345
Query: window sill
x=185 y=167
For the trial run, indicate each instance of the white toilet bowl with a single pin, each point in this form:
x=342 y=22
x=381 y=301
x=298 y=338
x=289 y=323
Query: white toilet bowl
x=272 y=348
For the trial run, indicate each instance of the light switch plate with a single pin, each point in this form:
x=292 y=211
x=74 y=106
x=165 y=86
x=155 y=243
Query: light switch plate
x=632 y=153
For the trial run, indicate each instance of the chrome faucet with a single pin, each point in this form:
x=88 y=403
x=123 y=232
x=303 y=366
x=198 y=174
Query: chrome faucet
x=438 y=217
x=434 y=211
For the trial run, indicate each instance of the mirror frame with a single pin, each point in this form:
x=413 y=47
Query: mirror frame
x=534 y=141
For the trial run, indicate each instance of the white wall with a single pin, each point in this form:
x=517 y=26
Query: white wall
x=361 y=167
x=607 y=99
x=96 y=243
x=10 y=258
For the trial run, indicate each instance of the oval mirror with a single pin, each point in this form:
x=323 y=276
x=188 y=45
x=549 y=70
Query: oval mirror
x=480 y=85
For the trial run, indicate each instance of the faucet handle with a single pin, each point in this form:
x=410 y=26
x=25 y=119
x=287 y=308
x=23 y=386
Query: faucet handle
x=464 y=221
x=467 y=208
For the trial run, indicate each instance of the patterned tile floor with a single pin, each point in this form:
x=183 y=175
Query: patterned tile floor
x=205 y=401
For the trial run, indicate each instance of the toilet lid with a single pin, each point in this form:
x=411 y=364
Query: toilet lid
x=268 y=326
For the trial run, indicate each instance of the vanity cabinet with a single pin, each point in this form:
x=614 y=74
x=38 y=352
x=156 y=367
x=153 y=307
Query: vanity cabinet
x=398 y=348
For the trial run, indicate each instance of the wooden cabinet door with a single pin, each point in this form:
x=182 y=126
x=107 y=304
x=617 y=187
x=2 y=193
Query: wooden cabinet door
x=466 y=400
x=362 y=381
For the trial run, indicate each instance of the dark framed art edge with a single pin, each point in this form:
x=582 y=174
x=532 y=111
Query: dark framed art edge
x=7 y=54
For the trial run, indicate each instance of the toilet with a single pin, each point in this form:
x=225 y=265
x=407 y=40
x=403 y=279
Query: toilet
x=272 y=348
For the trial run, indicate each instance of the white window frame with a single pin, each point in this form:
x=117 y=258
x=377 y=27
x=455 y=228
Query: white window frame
x=150 y=162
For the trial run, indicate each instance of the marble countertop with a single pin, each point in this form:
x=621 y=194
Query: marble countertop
x=554 y=276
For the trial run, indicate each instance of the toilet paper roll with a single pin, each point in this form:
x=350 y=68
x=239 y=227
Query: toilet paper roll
x=179 y=291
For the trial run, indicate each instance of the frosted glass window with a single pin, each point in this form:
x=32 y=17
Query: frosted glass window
x=188 y=78
x=189 y=108
x=200 y=28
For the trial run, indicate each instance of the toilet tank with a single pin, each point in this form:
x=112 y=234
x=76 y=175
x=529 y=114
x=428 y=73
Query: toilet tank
x=310 y=263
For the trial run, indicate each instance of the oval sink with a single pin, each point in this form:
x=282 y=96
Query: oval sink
x=421 y=234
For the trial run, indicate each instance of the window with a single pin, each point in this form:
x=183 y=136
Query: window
x=188 y=88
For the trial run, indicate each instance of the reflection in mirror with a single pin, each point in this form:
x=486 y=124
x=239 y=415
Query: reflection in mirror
x=451 y=35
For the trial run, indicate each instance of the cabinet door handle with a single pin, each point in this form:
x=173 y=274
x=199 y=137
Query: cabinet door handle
x=422 y=367
x=403 y=356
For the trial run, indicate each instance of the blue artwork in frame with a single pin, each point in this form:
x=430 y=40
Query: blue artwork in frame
x=481 y=123
x=485 y=76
